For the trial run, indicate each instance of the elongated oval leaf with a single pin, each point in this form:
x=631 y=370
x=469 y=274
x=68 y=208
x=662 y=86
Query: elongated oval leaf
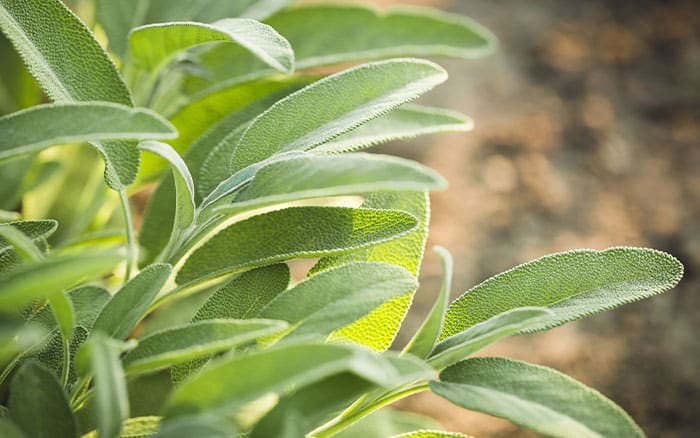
x=368 y=91
x=37 y=230
x=476 y=337
x=22 y=244
x=221 y=388
x=290 y=233
x=337 y=297
x=572 y=284
x=126 y=308
x=34 y=393
x=70 y=66
x=534 y=397
x=154 y=44
x=192 y=341
x=55 y=274
x=315 y=176
x=39 y=127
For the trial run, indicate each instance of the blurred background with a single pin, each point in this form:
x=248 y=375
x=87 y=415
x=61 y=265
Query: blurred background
x=587 y=135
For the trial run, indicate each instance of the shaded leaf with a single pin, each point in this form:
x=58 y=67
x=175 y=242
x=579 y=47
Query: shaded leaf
x=386 y=422
x=135 y=427
x=204 y=425
x=37 y=230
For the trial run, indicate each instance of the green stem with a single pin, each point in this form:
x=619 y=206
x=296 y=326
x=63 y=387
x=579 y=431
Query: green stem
x=65 y=370
x=131 y=249
x=339 y=423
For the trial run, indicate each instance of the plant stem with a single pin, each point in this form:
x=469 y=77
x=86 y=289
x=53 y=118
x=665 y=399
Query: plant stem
x=65 y=370
x=340 y=423
x=131 y=249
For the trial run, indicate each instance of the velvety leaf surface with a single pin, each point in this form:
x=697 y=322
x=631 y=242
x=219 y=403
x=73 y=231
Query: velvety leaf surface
x=572 y=284
x=135 y=427
x=430 y=434
x=43 y=126
x=37 y=230
x=291 y=233
x=203 y=425
x=368 y=91
x=535 y=397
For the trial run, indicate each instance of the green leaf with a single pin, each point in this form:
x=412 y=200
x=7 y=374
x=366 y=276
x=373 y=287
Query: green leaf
x=184 y=186
x=535 y=397
x=316 y=176
x=203 y=425
x=430 y=434
x=368 y=91
x=378 y=329
x=8 y=429
x=87 y=302
x=155 y=44
x=42 y=126
x=27 y=282
x=70 y=66
x=403 y=123
x=38 y=404
x=221 y=388
x=37 y=230
x=386 y=422
x=111 y=404
x=291 y=233
x=572 y=284
x=337 y=297
x=194 y=340
x=423 y=342
x=476 y=337
x=126 y=308
x=22 y=244
x=135 y=427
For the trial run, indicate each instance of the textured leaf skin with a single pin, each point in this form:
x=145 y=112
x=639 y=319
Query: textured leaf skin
x=476 y=337
x=407 y=121
x=220 y=388
x=34 y=391
x=368 y=91
x=338 y=296
x=126 y=308
x=534 y=397
x=430 y=434
x=378 y=329
x=37 y=230
x=135 y=427
x=42 y=126
x=572 y=284
x=154 y=44
x=194 y=340
x=291 y=233
x=204 y=425
x=70 y=66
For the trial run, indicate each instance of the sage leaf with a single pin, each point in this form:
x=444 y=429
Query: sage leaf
x=535 y=397
x=22 y=244
x=36 y=230
x=369 y=91
x=129 y=305
x=290 y=233
x=34 y=391
x=195 y=340
x=203 y=425
x=135 y=427
x=431 y=434
x=42 y=126
x=8 y=429
x=571 y=284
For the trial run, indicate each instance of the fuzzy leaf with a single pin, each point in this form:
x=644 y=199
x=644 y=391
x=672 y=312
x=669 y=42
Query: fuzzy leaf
x=135 y=427
x=203 y=425
x=535 y=397
x=476 y=337
x=37 y=230
x=220 y=387
x=70 y=66
x=572 y=284
x=291 y=233
x=430 y=434
x=42 y=126
x=368 y=91
x=337 y=297
x=153 y=45
x=194 y=340
x=38 y=404
x=126 y=308
x=22 y=244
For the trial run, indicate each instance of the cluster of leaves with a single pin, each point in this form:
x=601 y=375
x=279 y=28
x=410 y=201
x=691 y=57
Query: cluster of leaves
x=206 y=336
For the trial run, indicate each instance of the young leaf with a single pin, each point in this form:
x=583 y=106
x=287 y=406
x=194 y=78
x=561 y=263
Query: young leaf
x=572 y=284
x=368 y=91
x=476 y=337
x=70 y=66
x=290 y=233
x=42 y=126
x=534 y=397
x=38 y=405
x=221 y=388
x=155 y=44
x=422 y=343
x=336 y=297
x=316 y=176
x=407 y=121
x=194 y=340
x=126 y=308
x=27 y=282
x=111 y=406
